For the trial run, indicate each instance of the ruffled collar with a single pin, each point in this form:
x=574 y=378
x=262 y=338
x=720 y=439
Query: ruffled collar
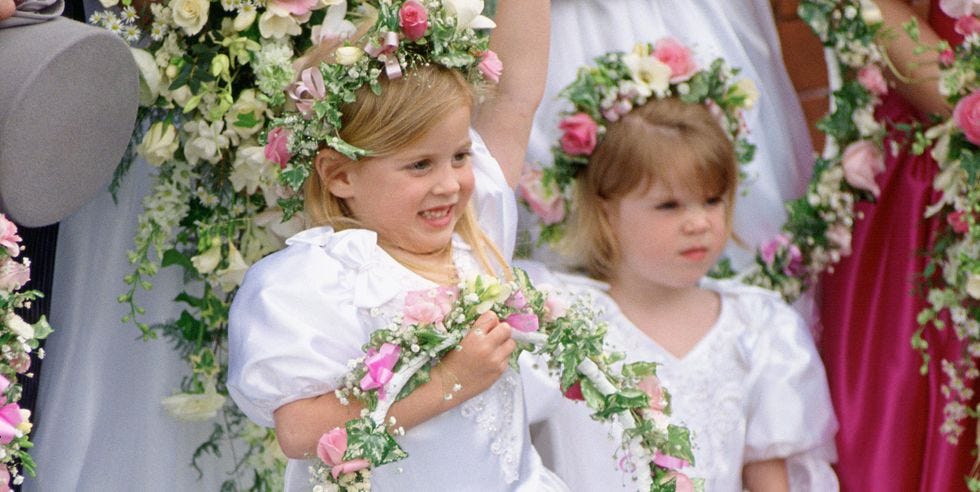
x=371 y=266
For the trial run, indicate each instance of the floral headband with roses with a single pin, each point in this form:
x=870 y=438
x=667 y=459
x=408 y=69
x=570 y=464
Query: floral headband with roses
x=604 y=93
x=404 y=35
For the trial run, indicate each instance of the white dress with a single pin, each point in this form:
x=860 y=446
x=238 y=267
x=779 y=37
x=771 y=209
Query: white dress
x=752 y=389
x=304 y=312
x=740 y=31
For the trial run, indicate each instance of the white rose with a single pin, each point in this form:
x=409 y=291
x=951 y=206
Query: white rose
x=973 y=285
x=348 y=55
x=650 y=74
x=246 y=103
x=181 y=96
x=20 y=327
x=194 y=406
x=109 y=3
x=747 y=88
x=468 y=14
x=207 y=261
x=190 y=15
x=273 y=26
x=249 y=169
x=149 y=76
x=159 y=143
x=870 y=12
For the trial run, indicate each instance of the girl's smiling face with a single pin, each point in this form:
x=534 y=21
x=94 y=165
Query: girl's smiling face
x=414 y=197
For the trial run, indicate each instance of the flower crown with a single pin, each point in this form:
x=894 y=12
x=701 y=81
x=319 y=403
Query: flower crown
x=604 y=93
x=405 y=34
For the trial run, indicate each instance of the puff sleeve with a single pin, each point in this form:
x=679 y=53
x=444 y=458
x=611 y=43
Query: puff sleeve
x=789 y=412
x=493 y=199
x=292 y=329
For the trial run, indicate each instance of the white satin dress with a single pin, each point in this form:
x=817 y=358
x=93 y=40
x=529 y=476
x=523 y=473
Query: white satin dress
x=304 y=312
x=740 y=31
x=752 y=389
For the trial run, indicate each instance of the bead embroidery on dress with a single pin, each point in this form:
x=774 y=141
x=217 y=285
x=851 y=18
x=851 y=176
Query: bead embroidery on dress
x=495 y=411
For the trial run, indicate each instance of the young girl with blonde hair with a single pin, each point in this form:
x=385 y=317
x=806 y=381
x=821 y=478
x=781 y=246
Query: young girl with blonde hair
x=405 y=217
x=654 y=191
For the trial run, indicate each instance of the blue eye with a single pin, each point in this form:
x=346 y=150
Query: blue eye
x=420 y=165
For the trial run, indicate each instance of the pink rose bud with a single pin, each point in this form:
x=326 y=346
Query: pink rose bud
x=967 y=116
x=967 y=25
x=676 y=56
x=871 y=79
x=651 y=386
x=490 y=66
x=770 y=248
x=841 y=237
x=957 y=221
x=682 y=483
x=331 y=448
x=21 y=363
x=8 y=236
x=516 y=300
x=277 y=149
x=555 y=307
x=580 y=134
x=295 y=7
x=947 y=57
x=413 y=18
x=862 y=161
x=574 y=392
x=13 y=275
x=523 y=322
x=10 y=418
x=546 y=203
x=4 y=479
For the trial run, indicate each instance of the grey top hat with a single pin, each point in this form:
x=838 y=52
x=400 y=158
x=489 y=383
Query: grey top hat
x=68 y=102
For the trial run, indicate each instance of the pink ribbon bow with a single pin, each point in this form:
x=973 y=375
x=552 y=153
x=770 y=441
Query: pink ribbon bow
x=307 y=90
x=379 y=367
x=386 y=53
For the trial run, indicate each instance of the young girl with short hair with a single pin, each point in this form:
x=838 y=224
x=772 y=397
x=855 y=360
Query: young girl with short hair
x=651 y=215
x=404 y=218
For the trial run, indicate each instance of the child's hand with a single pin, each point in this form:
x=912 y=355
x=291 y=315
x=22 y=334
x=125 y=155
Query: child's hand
x=483 y=358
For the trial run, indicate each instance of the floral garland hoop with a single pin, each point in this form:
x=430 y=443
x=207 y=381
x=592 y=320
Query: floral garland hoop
x=399 y=358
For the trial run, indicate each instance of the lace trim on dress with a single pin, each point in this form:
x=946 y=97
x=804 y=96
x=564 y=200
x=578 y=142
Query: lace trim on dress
x=496 y=412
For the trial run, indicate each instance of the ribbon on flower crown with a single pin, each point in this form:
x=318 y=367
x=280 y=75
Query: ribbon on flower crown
x=386 y=53
x=307 y=90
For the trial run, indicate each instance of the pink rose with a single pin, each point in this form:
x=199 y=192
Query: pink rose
x=958 y=222
x=295 y=7
x=380 y=364
x=840 y=236
x=516 y=300
x=21 y=363
x=574 y=392
x=651 y=386
x=771 y=248
x=331 y=448
x=794 y=261
x=960 y=8
x=546 y=202
x=967 y=25
x=430 y=306
x=871 y=79
x=862 y=161
x=554 y=307
x=523 y=322
x=10 y=418
x=413 y=18
x=682 y=483
x=4 y=479
x=947 y=57
x=13 y=275
x=579 y=136
x=8 y=236
x=277 y=150
x=967 y=116
x=676 y=56
x=490 y=66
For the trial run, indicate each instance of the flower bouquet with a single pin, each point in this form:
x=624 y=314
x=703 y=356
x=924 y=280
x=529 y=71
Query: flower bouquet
x=433 y=322
x=17 y=340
